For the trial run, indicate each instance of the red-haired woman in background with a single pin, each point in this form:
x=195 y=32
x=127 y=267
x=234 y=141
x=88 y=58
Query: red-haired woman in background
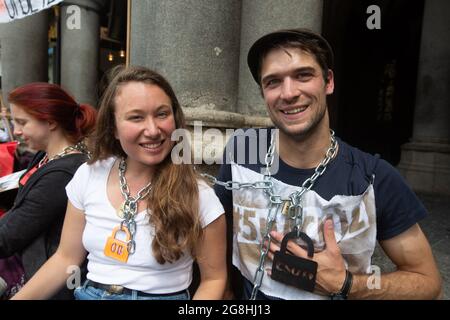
x=51 y=122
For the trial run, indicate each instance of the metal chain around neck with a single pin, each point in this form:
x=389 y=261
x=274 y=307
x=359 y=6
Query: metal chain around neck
x=130 y=205
x=125 y=190
x=80 y=147
x=295 y=199
x=295 y=211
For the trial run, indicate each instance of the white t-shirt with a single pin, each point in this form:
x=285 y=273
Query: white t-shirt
x=87 y=192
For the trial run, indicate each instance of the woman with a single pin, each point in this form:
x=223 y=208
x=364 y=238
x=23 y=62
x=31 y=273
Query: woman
x=141 y=219
x=51 y=122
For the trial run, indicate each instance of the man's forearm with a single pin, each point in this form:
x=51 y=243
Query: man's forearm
x=396 y=285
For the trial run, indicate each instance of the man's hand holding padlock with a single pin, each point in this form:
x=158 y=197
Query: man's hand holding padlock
x=331 y=267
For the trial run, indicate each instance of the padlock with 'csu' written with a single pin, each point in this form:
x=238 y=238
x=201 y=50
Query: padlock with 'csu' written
x=118 y=249
x=293 y=270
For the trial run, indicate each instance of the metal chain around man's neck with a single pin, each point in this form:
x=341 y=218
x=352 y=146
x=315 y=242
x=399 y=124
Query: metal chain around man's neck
x=130 y=205
x=293 y=204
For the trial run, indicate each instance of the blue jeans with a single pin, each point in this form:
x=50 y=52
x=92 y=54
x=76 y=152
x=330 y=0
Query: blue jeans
x=87 y=292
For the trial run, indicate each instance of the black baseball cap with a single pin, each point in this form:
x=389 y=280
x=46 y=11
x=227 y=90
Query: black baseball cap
x=271 y=39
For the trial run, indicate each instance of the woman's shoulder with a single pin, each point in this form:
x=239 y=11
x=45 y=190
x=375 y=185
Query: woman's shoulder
x=69 y=161
x=62 y=166
x=203 y=186
x=209 y=205
x=205 y=191
x=38 y=156
x=98 y=167
x=108 y=162
x=95 y=172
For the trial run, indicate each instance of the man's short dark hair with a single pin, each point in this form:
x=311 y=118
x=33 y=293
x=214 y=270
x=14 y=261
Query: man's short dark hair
x=303 y=39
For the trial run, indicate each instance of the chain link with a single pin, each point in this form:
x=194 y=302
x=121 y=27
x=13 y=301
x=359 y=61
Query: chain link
x=234 y=185
x=264 y=249
x=80 y=147
x=295 y=211
x=130 y=205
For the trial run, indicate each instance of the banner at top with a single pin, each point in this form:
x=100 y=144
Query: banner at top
x=17 y=9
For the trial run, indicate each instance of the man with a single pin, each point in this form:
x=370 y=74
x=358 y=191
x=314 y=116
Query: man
x=341 y=198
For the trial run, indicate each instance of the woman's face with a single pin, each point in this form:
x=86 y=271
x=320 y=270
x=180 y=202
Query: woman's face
x=34 y=132
x=144 y=123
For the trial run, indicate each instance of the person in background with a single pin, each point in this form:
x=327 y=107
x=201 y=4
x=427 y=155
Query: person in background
x=50 y=121
x=4 y=122
x=140 y=218
x=3 y=135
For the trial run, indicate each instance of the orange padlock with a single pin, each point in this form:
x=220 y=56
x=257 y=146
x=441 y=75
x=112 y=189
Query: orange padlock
x=117 y=249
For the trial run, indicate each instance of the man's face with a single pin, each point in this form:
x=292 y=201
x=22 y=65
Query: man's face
x=295 y=91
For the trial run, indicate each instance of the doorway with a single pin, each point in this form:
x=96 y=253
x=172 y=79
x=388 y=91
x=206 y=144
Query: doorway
x=375 y=73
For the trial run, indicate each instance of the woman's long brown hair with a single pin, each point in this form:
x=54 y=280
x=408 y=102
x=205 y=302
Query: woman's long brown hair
x=173 y=200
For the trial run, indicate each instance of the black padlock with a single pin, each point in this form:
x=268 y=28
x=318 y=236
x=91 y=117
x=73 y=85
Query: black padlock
x=292 y=270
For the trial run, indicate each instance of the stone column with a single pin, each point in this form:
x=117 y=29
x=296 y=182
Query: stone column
x=259 y=18
x=24 y=51
x=80 y=36
x=194 y=44
x=425 y=161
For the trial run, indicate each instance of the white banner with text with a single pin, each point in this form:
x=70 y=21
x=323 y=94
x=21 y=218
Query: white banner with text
x=17 y=9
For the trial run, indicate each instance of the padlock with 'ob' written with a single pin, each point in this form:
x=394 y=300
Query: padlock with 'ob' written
x=118 y=249
x=292 y=270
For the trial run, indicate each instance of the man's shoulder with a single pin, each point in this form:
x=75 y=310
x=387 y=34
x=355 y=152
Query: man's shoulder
x=354 y=153
x=358 y=158
x=385 y=174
